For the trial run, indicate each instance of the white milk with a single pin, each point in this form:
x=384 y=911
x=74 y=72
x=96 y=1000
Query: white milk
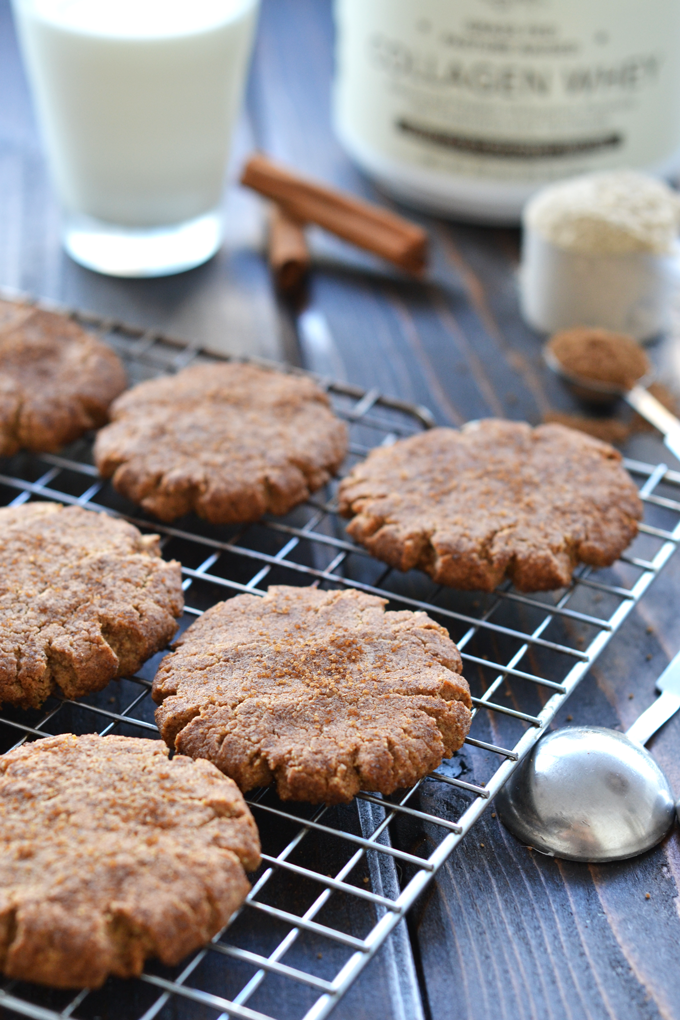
x=137 y=100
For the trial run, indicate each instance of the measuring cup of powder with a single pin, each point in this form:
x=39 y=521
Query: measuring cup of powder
x=600 y=250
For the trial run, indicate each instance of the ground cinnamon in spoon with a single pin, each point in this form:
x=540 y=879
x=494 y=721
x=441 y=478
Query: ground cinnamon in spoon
x=598 y=354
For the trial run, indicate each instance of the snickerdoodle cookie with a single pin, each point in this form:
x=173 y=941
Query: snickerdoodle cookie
x=110 y=854
x=56 y=379
x=83 y=598
x=495 y=499
x=228 y=441
x=322 y=692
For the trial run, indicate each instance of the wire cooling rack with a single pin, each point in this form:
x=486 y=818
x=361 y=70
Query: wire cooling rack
x=335 y=882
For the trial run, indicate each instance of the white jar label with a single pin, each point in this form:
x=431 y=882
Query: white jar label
x=511 y=90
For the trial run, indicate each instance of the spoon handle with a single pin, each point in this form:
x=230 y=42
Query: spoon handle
x=654 y=717
x=654 y=412
x=660 y=711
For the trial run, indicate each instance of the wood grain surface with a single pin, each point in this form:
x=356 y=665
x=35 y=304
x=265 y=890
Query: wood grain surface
x=503 y=932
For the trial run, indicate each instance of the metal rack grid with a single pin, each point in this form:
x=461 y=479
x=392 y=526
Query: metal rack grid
x=523 y=656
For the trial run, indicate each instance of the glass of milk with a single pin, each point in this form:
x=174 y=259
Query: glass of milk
x=137 y=101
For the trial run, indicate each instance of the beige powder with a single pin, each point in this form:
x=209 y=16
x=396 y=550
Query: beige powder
x=607 y=213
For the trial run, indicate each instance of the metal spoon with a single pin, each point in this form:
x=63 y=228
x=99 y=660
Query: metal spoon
x=647 y=406
x=586 y=793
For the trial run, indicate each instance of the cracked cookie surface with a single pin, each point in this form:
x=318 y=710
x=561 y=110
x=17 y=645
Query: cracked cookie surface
x=322 y=692
x=56 y=380
x=228 y=441
x=111 y=854
x=496 y=499
x=84 y=597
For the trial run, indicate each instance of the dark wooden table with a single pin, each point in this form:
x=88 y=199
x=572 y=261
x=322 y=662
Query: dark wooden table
x=503 y=932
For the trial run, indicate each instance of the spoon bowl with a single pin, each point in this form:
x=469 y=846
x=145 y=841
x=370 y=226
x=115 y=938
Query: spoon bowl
x=586 y=793
x=590 y=391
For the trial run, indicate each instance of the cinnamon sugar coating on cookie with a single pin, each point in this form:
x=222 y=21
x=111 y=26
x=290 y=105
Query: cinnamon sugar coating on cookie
x=83 y=598
x=56 y=380
x=110 y=854
x=228 y=441
x=322 y=692
x=496 y=499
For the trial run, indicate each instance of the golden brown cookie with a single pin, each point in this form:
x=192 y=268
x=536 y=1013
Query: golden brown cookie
x=111 y=854
x=229 y=441
x=83 y=598
x=322 y=692
x=496 y=499
x=56 y=380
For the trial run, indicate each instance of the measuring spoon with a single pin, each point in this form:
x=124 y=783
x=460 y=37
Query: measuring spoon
x=586 y=793
x=639 y=398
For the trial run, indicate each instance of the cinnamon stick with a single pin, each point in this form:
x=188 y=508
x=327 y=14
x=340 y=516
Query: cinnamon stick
x=368 y=226
x=288 y=251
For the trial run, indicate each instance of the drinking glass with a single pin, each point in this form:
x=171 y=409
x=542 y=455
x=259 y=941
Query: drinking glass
x=137 y=100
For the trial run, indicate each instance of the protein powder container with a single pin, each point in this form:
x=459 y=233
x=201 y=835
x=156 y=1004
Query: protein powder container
x=468 y=107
